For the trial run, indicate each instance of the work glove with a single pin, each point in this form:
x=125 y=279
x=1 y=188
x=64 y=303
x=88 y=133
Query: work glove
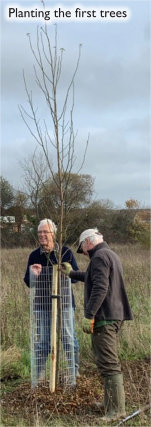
x=66 y=268
x=88 y=325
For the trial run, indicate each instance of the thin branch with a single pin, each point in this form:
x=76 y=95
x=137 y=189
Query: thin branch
x=72 y=80
x=84 y=155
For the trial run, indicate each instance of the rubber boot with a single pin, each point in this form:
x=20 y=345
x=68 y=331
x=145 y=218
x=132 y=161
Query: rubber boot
x=114 y=398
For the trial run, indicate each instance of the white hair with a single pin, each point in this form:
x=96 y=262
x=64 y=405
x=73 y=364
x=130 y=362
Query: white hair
x=50 y=223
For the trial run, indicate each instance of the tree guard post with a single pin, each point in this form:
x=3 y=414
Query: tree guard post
x=53 y=329
x=51 y=316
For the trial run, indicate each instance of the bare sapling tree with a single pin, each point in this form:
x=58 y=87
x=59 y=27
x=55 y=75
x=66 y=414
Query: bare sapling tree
x=57 y=131
x=47 y=72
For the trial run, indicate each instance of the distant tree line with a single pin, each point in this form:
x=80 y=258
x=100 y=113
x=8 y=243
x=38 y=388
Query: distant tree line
x=39 y=199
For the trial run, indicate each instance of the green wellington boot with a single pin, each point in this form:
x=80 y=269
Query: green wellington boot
x=114 y=398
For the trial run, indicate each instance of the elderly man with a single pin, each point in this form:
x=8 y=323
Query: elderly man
x=106 y=306
x=46 y=255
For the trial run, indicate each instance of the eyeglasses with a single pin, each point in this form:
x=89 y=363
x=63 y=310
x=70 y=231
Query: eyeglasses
x=45 y=232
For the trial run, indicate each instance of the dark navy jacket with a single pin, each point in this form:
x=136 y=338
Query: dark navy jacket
x=39 y=257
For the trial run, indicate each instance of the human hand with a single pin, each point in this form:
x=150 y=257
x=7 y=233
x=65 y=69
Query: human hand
x=66 y=268
x=88 y=325
x=36 y=269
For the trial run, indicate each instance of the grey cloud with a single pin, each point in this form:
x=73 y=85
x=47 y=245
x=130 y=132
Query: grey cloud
x=111 y=102
x=102 y=80
x=119 y=164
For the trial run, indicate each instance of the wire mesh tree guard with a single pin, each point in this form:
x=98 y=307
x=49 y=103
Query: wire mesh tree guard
x=44 y=330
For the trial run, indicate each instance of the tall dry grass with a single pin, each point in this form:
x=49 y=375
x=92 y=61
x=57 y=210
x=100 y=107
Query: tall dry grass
x=15 y=319
x=14 y=298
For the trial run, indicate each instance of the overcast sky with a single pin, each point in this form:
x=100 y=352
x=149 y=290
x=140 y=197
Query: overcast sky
x=111 y=93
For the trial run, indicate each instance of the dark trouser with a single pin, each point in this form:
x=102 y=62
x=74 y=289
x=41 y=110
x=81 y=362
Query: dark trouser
x=104 y=346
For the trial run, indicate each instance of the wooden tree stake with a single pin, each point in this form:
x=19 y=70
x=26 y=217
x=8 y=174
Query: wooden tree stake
x=53 y=330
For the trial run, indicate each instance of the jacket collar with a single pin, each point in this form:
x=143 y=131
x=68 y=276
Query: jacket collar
x=96 y=247
x=43 y=251
x=55 y=250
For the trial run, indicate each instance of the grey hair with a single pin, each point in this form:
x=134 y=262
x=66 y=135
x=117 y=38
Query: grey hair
x=50 y=223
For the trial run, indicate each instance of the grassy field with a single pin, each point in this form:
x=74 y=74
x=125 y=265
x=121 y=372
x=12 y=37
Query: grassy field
x=133 y=345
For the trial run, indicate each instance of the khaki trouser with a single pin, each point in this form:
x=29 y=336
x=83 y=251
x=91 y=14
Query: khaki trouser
x=104 y=346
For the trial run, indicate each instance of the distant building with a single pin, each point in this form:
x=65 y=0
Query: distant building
x=7 y=219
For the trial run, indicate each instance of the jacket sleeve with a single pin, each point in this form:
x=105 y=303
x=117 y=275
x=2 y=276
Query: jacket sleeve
x=100 y=271
x=27 y=273
x=77 y=276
